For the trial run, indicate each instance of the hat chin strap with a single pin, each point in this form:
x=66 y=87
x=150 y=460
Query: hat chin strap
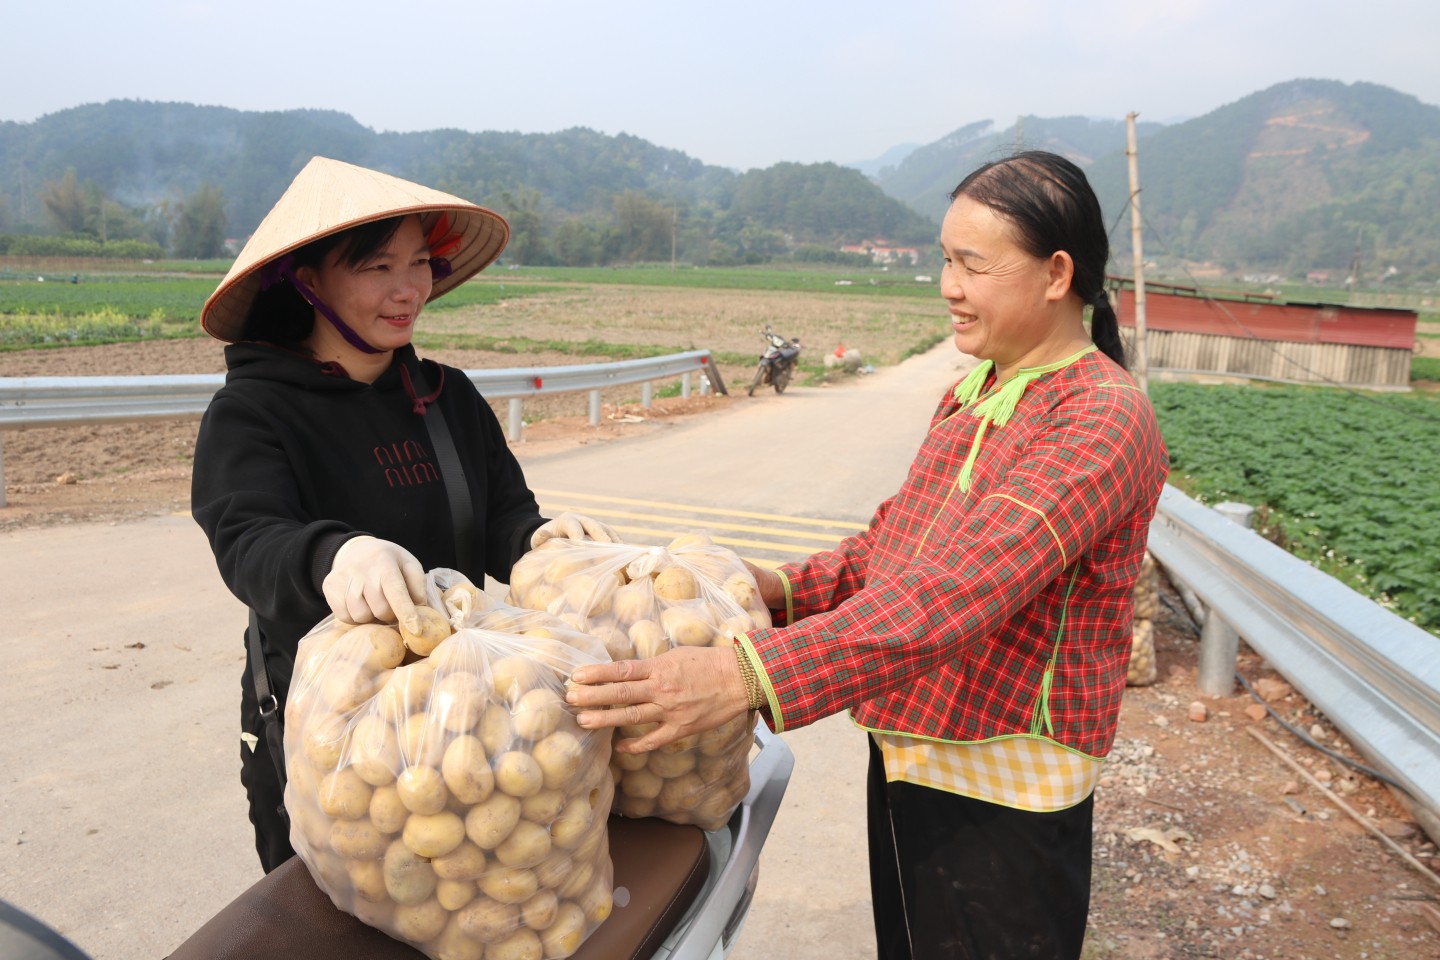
x=283 y=268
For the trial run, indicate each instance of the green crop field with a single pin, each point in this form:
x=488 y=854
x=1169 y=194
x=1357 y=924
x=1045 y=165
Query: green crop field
x=1344 y=479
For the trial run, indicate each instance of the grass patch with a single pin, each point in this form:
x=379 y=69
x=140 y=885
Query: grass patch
x=807 y=279
x=100 y=326
x=1425 y=368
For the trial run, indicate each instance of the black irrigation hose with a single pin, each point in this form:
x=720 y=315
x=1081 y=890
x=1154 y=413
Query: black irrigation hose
x=1299 y=734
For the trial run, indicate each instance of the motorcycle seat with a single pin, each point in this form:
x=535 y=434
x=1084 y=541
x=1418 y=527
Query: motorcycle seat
x=660 y=868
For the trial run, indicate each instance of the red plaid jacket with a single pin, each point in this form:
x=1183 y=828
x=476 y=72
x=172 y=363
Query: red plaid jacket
x=941 y=619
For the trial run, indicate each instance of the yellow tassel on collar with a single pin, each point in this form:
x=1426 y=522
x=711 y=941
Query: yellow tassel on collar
x=999 y=406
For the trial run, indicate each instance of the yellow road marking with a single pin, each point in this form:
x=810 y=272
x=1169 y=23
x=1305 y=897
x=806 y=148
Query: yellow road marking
x=718 y=511
x=602 y=512
x=723 y=541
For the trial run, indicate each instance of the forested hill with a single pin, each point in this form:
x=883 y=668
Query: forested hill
x=926 y=176
x=572 y=196
x=1306 y=175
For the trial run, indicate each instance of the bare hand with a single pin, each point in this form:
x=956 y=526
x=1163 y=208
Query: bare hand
x=687 y=691
x=772 y=588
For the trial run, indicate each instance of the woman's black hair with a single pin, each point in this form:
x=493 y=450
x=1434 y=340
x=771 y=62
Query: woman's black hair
x=279 y=314
x=1048 y=201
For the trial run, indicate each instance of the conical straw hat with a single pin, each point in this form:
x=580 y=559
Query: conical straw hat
x=329 y=196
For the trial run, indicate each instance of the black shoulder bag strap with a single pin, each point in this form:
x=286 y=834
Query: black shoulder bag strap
x=462 y=515
x=269 y=706
x=452 y=472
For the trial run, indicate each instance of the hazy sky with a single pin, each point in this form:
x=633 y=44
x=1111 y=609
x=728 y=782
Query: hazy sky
x=741 y=84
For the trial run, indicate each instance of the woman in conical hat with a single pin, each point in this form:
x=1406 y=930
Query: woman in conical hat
x=318 y=479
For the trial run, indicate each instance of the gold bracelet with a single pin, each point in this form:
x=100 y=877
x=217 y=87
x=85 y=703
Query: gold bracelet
x=753 y=696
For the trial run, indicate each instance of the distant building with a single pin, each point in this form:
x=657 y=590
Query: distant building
x=1318 y=277
x=1263 y=336
x=880 y=251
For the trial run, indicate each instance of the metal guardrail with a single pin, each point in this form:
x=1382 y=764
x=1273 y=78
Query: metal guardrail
x=27 y=402
x=1375 y=675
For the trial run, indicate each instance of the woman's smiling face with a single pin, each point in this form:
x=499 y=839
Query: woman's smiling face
x=1001 y=297
x=379 y=298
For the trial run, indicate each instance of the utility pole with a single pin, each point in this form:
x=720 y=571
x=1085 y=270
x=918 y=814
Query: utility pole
x=674 y=231
x=1142 y=357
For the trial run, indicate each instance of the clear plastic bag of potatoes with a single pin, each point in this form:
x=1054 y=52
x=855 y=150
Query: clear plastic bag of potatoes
x=640 y=602
x=450 y=799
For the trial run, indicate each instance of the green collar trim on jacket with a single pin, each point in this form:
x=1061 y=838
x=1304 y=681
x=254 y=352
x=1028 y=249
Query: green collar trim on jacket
x=999 y=406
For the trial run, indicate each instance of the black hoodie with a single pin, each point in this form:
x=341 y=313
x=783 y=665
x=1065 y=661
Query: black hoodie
x=292 y=461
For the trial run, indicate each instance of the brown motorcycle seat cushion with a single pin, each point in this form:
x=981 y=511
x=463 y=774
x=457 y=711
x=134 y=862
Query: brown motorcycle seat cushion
x=660 y=867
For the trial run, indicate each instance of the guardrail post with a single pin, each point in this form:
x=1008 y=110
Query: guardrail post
x=1219 y=643
x=647 y=394
x=517 y=422
x=594 y=408
x=704 y=385
x=684 y=384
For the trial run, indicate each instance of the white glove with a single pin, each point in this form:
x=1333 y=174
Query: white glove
x=373 y=579
x=572 y=526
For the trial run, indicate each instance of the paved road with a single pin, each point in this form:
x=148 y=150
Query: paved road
x=122 y=822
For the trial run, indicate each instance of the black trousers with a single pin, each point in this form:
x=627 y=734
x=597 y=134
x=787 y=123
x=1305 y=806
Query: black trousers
x=953 y=877
x=263 y=786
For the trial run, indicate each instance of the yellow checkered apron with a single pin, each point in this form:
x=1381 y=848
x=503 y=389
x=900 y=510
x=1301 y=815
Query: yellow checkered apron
x=1027 y=773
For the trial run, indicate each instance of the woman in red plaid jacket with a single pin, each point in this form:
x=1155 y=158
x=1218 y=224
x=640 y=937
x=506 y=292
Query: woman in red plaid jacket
x=979 y=630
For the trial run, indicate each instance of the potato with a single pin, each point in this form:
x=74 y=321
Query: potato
x=490 y=821
x=313 y=825
x=680 y=794
x=418 y=922
x=465 y=600
x=387 y=812
x=433 y=627
x=422 y=741
x=465 y=862
x=676 y=583
x=408 y=878
x=345 y=686
x=324 y=740
x=454 y=894
x=715 y=807
x=433 y=835
x=558 y=757
x=513 y=677
x=635 y=807
x=343 y=795
x=540 y=911
x=634 y=601
x=517 y=774
x=374 y=750
x=368 y=878
x=496 y=730
x=688 y=626
x=543 y=807
x=380 y=914
x=597 y=902
x=466 y=770
x=455 y=944
x=719 y=768
x=552 y=871
x=537 y=713
x=590 y=595
x=671 y=765
x=487 y=920
x=358 y=839
x=405 y=690
x=458 y=700
x=386 y=650
x=527 y=845
x=509 y=884
x=422 y=790
x=618 y=644
x=630 y=761
x=570 y=826
x=649 y=639
x=641 y=783
x=578 y=881
x=741 y=588
x=563 y=937
x=523 y=944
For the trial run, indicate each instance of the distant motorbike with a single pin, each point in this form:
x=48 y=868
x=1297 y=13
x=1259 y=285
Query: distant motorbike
x=777 y=363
